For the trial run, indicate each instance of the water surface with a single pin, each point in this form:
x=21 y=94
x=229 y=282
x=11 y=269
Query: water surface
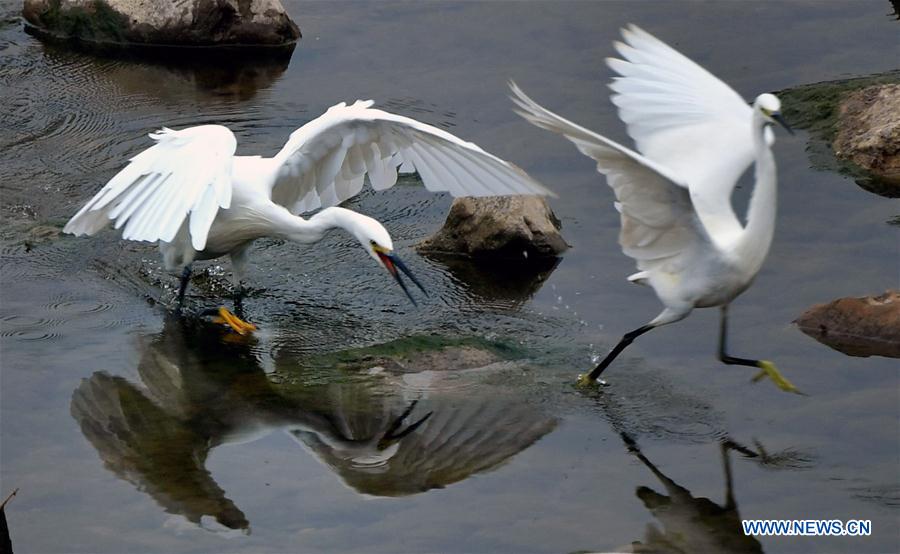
x=128 y=431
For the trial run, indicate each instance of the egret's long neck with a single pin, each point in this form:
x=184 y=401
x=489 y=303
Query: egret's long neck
x=291 y=227
x=753 y=245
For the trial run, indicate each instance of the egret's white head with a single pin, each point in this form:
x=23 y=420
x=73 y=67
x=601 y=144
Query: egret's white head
x=769 y=107
x=370 y=234
x=375 y=239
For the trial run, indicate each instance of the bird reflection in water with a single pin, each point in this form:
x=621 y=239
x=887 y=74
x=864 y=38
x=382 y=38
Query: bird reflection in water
x=690 y=524
x=199 y=391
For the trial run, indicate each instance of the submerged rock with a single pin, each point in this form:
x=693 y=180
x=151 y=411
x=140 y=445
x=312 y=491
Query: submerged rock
x=163 y=22
x=422 y=353
x=869 y=132
x=499 y=227
x=867 y=326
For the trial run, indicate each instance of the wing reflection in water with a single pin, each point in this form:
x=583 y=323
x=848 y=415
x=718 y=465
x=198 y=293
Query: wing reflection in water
x=383 y=434
x=156 y=452
x=691 y=524
x=459 y=438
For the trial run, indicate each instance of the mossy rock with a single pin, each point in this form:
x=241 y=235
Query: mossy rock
x=95 y=21
x=816 y=109
x=136 y=24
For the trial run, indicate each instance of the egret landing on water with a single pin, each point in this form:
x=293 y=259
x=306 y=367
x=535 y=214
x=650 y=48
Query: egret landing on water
x=696 y=137
x=196 y=198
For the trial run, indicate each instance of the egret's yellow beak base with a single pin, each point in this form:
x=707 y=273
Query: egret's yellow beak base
x=236 y=324
x=768 y=369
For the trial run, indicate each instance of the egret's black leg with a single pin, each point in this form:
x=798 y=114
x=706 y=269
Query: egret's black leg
x=626 y=340
x=185 y=279
x=239 y=266
x=239 y=300
x=767 y=368
x=723 y=342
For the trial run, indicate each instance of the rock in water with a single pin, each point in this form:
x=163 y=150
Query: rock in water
x=499 y=227
x=869 y=132
x=867 y=326
x=164 y=22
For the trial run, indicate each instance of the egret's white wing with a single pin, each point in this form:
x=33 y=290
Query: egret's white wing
x=325 y=161
x=186 y=173
x=683 y=117
x=657 y=215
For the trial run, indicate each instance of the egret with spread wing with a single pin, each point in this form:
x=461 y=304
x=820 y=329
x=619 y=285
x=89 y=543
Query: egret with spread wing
x=190 y=193
x=696 y=137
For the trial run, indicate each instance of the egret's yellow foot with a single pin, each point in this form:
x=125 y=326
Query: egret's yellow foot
x=585 y=381
x=239 y=326
x=768 y=369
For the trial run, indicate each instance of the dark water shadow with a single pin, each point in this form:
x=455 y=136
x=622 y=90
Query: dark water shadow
x=234 y=73
x=510 y=282
x=202 y=387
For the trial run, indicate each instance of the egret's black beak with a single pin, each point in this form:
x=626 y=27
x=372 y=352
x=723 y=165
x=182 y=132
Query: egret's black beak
x=777 y=117
x=393 y=263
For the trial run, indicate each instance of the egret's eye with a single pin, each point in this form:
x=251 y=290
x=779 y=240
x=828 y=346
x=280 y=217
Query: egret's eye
x=766 y=112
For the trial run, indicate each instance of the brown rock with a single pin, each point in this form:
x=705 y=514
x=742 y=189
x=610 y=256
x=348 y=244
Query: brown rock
x=867 y=326
x=868 y=132
x=164 y=22
x=499 y=227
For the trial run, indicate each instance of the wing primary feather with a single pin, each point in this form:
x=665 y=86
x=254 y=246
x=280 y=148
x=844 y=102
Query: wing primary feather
x=422 y=167
x=202 y=215
x=381 y=145
x=445 y=180
x=489 y=173
x=149 y=212
x=148 y=199
x=123 y=211
x=134 y=195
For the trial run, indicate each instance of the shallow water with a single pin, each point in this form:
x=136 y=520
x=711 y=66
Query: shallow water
x=127 y=431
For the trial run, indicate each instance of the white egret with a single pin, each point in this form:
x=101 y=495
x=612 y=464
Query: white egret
x=196 y=198
x=696 y=136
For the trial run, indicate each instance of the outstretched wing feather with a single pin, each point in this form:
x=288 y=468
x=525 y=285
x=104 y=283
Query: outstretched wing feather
x=686 y=119
x=658 y=221
x=350 y=142
x=187 y=173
